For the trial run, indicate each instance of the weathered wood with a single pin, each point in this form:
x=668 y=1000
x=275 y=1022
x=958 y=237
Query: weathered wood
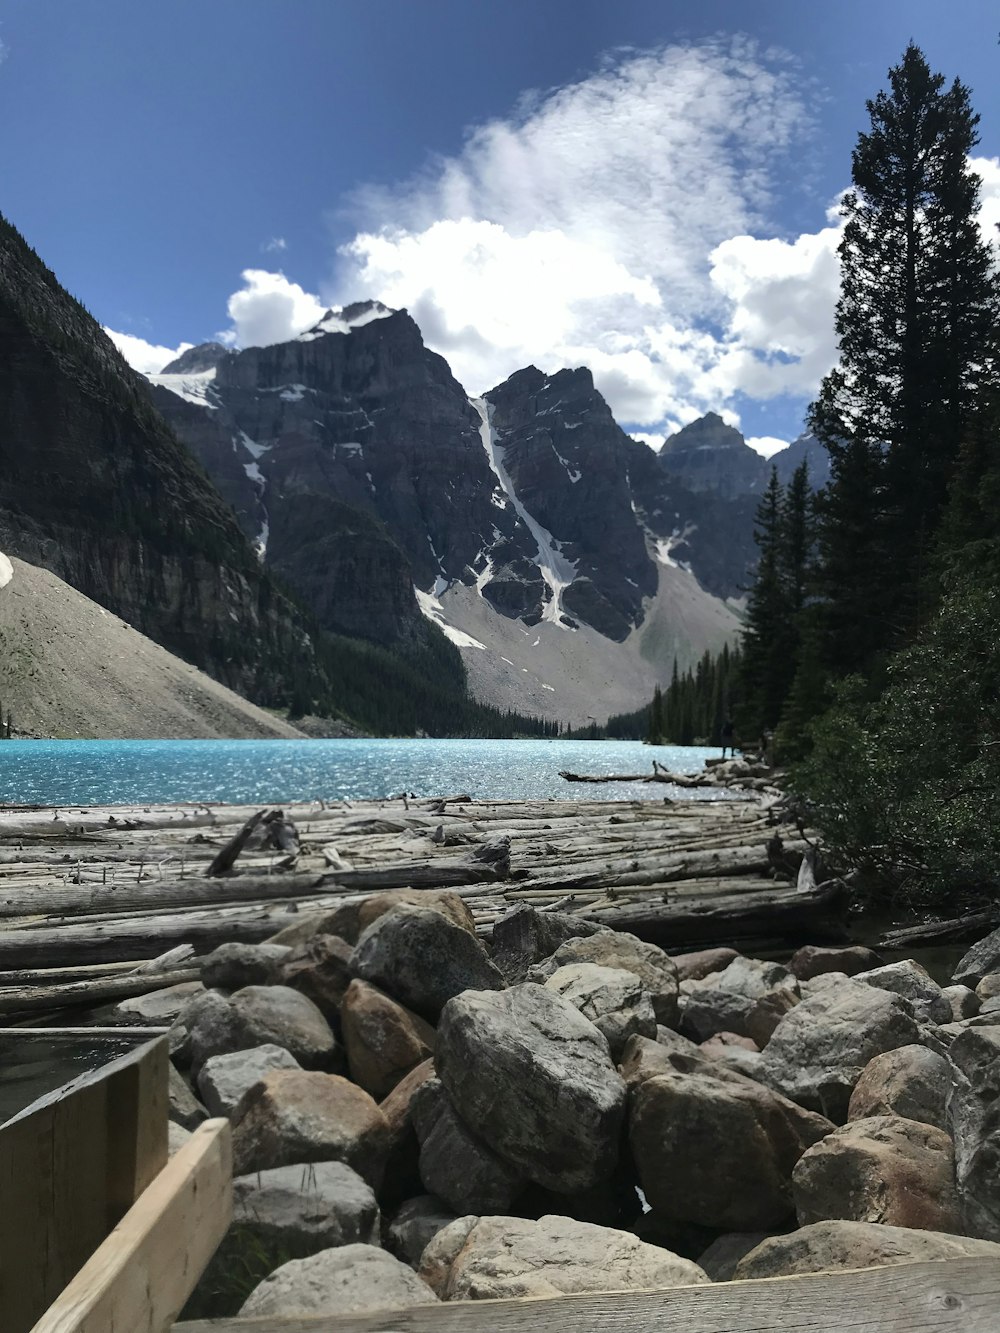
x=76 y=994
x=432 y=874
x=74 y=900
x=140 y=1277
x=221 y=863
x=676 y=779
x=71 y=1165
x=957 y=930
x=819 y=915
x=960 y=1296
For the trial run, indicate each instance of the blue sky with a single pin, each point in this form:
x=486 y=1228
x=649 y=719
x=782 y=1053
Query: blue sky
x=641 y=187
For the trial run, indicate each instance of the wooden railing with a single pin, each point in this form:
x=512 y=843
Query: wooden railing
x=98 y=1232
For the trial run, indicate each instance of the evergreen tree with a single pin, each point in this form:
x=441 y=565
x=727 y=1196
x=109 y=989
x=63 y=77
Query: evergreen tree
x=766 y=639
x=656 y=727
x=917 y=327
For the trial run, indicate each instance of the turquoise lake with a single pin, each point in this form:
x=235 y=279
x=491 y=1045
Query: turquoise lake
x=130 y=772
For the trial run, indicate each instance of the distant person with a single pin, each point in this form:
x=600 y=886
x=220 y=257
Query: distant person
x=727 y=738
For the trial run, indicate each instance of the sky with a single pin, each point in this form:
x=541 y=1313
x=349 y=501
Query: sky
x=645 y=187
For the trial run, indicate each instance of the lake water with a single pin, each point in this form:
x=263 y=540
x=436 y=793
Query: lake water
x=265 y=772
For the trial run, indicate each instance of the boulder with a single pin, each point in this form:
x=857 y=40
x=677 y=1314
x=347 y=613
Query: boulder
x=494 y=1257
x=293 y=1116
x=383 y=1040
x=642 y=1058
x=454 y=1165
x=616 y=949
x=232 y=966
x=205 y=1026
x=320 y=968
x=402 y=1172
x=415 y=1225
x=159 y=1006
x=767 y=1013
x=979 y=961
x=723 y=1041
x=695 y=966
x=812 y=960
x=613 y=1000
x=830 y=1247
x=285 y=1017
x=910 y=1081
x=987 y=989
x=535 y=1079
x=184 y=1107
x=914 y=983
x=964 y=1002
x=423 y=959
x=524 y=936
x=881 y=1169
x=350 y=920
x=348 y=1280
x=819 y=1049
x=177 y=1136
x=731 y=1000
x=725 y=1252
x=717 y=1149
x=224 y=1079
x=974 y=1120
x=294 y=1211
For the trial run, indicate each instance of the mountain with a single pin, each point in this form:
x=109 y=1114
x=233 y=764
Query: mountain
x=709 y=456
x=69 y=667
x=389 y=500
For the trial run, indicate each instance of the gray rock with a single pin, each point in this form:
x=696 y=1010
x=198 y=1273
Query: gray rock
x=974 y=1120
x=383 y=1040
x=224 y=1079
x=454 y=1165
x=298 y=1210
x=185 y=1108
x=293 y=1116
x=232 y=966
x=319 y=967
x=284 y=1017
x=989 y=987
x=488 y=1258
x=536 y=1080
x=614 y=1001
x=737 y=998
x=830 y=1247
x=422 y=959
x=159 y=1006
x=910 y=1081
x=979 y=961
x=725 y=1252
x=882 y=1169
x=415 y=1225
x=177 y=1136
x=716 y=1149
x=524 y=936
x=914 y=983
x=617 y=949
x=348 y=1280
x=964 y=1002
x=820 y=1048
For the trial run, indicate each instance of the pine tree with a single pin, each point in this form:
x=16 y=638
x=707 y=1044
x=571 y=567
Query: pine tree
x=917 y=325
x=766 y=639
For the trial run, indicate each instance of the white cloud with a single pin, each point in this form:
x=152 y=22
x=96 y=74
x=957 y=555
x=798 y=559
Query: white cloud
x=268 y=308
x=146 y=357
x=584 y=230
x=275 y=245
x=767 y=445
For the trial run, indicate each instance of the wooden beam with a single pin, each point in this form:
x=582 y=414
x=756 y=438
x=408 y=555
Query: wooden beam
x=957 y=1296
x=139 y=1278
x=71 y=1164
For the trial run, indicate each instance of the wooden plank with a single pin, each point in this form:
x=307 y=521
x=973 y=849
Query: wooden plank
x=957 y=1296
x=70 y=1166
x=138 y=1280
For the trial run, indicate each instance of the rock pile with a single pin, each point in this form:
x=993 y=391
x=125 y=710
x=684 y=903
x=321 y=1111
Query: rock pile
x=417 y=1117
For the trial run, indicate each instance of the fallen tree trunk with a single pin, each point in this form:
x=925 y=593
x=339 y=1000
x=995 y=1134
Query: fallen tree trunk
x=819 y=916
x=84 y=900
x=957 y=930
x=443 y=874
x=678 y=779
x=32 y=999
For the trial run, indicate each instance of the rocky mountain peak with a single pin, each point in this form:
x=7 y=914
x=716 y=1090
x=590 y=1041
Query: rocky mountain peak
x=708 y=455
x=206 y=356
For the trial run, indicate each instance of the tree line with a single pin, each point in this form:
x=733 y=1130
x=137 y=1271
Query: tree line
x=870 y=640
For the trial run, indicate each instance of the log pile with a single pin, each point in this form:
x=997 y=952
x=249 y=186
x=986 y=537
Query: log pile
x=89 y=898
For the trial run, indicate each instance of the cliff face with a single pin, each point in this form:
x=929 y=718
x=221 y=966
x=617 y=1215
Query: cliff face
x=95 y=487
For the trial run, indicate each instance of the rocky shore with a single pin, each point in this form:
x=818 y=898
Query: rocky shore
x=423 y=1115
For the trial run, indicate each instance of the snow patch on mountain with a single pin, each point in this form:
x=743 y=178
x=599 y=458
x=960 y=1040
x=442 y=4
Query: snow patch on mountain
x=434 y=611
x=6 y=570
x=346 y=319
x=557 y=571
x=195 y=388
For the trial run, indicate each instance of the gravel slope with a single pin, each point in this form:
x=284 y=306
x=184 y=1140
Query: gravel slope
x=70 y=668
